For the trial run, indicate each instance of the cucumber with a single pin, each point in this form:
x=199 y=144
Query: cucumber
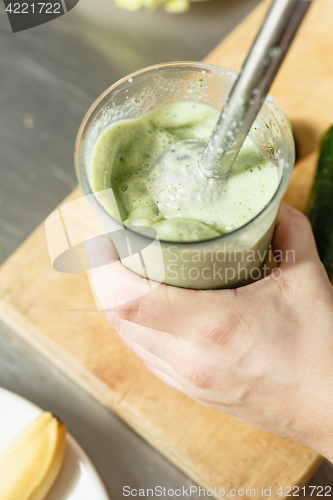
x=320 y=206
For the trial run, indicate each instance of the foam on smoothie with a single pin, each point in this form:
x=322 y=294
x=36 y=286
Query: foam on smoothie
x=182 y=205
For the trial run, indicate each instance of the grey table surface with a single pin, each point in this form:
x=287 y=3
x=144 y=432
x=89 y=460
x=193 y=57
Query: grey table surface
x=49 y=76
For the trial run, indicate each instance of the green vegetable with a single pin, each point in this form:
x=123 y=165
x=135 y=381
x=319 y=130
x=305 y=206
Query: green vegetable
x=173 y=6
x=320 y=206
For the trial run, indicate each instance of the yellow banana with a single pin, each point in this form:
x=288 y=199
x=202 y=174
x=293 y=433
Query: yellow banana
x=30 y=464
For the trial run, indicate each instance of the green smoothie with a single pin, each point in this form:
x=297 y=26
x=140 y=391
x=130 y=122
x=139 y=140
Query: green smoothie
x=181 y=205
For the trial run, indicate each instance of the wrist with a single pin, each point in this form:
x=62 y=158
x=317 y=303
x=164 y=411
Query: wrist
x=319 y=435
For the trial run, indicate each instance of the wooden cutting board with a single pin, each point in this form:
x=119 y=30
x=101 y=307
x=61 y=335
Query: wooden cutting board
x=56 y=312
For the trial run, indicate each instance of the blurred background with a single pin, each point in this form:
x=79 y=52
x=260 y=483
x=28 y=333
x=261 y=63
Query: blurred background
x=50 y=75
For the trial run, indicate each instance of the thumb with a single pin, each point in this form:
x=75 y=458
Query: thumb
x=111 y=283
x=293 y=238
x=98 y=251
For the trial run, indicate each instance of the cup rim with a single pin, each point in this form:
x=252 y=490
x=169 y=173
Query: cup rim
x=278 y=195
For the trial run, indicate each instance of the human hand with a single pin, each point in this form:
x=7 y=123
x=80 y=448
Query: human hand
x=262 y=353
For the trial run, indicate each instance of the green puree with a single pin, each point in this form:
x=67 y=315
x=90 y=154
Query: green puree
x=181 y=206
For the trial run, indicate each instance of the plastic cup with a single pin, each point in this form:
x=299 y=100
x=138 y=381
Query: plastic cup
x=230 y=260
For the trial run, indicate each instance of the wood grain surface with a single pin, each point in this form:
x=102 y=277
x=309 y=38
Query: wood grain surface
x=56 y=312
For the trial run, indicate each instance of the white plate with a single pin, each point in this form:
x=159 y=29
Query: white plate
x=78 y=479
